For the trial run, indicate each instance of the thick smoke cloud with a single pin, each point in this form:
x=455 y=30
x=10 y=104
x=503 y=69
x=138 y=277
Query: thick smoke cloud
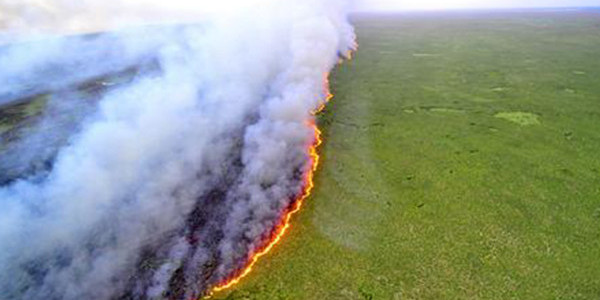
x=174 y=178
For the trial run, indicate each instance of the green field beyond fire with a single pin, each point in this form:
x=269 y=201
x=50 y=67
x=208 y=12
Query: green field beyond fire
x=461 y=161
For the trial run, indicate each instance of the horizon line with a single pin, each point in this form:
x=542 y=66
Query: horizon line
x=394 y=10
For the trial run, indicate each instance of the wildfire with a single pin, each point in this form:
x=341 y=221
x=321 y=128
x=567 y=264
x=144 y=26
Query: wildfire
x=308 y=185
x=328 y=96
x=285 y=224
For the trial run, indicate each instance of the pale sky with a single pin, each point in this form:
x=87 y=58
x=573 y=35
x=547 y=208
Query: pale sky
x=457 y=4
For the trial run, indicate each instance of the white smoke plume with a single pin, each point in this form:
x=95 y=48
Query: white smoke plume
x=176 y=176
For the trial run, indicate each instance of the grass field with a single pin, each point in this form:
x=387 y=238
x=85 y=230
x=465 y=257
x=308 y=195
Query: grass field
x=461 y=161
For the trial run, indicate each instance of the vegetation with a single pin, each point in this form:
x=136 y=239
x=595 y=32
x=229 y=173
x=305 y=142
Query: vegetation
x=460 y=162
x=14 y=117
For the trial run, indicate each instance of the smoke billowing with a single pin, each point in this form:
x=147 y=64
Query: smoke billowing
x=170 y=180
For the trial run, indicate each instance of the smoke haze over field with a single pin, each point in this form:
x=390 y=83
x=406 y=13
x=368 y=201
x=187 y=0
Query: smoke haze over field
x=176 y=177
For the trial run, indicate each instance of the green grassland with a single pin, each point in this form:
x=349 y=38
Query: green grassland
x=15 y=116
x=461 y=161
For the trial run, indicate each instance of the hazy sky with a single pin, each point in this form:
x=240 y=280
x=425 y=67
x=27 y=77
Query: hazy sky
x=453 y=4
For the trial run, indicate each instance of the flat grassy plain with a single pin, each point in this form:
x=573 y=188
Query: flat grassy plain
x=461 y=161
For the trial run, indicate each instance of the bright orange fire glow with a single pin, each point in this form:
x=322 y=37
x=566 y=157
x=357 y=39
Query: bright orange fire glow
x=285 y=224
x=328 y=95
x=308 y=185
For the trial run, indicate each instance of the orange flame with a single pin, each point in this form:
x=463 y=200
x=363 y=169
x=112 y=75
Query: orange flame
x=285 y=224
x=308 y=185
x=328 y=95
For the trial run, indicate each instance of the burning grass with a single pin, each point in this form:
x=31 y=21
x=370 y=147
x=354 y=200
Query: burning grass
x=438 y=205
x=286 y=219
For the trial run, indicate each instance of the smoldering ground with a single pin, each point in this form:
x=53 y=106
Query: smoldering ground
x=166 y=182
